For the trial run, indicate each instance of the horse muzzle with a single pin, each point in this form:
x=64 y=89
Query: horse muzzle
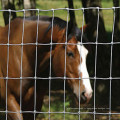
x=85 y=97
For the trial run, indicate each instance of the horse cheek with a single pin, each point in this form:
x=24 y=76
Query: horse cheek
x=58 y=65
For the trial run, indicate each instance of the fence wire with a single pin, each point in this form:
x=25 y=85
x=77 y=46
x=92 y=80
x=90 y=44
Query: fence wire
x=50 y=78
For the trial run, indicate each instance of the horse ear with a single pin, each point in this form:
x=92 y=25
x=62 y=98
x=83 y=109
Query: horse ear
x=46 y=61
x=84 y=27
x=85 y=39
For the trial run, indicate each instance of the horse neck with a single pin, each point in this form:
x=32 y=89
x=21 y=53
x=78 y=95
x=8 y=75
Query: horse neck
x=1 y=29
x=3 y=35
x=43 y=36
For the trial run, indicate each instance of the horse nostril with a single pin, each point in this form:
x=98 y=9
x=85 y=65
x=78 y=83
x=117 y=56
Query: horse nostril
x=83 y=93
x=84 y=98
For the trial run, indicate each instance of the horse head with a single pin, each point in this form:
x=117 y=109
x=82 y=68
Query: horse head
x=69 y=59
x=74 y=68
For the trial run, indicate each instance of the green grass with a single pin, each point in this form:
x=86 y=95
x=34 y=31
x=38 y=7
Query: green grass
x=108 y=15
x=57 y=105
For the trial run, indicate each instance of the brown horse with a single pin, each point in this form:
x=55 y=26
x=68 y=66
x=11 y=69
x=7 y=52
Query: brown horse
x=74 y=53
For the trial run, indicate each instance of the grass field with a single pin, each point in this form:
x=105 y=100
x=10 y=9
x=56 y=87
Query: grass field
x=57 y=98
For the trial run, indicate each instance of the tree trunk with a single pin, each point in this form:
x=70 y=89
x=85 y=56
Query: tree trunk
x=27 y=5
x=72 y=13
x=20 y=4
x=30 y=4
x=91 y=17
x=116 y=55
x=117 y=21
x=102 y=64
x=7 y=4
x=33 y=6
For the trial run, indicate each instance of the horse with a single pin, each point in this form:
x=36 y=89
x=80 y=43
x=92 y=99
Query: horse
x=67 y=56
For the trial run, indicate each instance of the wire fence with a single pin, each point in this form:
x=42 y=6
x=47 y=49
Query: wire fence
x=50 y=78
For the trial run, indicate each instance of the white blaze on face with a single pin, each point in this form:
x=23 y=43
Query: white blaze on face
x=83 y=69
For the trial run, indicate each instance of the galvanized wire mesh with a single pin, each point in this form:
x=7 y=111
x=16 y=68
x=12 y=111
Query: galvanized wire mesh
x=50 y=78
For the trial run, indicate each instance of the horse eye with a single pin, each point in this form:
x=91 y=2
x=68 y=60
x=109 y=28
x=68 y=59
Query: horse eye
x=70 y=54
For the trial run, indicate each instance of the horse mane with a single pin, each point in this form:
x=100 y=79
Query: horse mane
x=60 y=24
x=56 y=22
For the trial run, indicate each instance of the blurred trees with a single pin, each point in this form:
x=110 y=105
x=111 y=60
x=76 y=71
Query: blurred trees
x=29 y=4
x=104 y=51
x=116 y=3
x=116 y=55
x=91 y=18
x=8 y=4
x=116 y=38
x=21 y=4
x=102 y=68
